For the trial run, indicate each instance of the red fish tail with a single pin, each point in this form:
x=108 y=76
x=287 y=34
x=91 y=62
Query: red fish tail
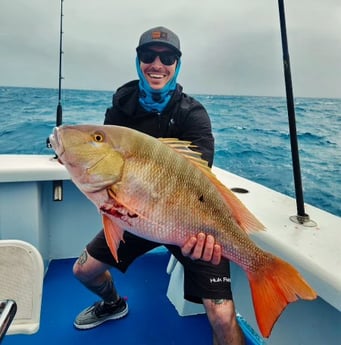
x=279 y=285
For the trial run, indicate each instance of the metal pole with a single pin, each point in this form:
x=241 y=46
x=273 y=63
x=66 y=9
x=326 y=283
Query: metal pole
x=58 y=185
x=59 y=116
x=301 y=216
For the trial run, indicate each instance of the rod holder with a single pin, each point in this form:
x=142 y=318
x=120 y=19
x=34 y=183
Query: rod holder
x=57 y=190
x=303 y=220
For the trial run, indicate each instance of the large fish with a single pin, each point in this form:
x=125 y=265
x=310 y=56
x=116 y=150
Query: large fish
x=161 y=190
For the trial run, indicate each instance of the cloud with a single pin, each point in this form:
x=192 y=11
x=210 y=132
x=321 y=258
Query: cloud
x=229 y=47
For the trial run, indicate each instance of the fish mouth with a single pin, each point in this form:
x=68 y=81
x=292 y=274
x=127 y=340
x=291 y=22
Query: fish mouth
x=56 y=142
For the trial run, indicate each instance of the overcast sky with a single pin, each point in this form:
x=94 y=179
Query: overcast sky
x=229 y=47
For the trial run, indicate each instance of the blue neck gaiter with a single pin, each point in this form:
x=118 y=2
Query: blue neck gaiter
x=155 y=100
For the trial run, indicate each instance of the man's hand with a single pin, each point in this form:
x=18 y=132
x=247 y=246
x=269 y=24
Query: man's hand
x=202 y=247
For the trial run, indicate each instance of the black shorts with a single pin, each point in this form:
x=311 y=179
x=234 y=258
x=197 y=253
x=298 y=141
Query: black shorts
x=201 y=279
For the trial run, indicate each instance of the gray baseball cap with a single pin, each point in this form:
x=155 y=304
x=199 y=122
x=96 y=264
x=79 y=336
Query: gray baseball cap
x=160 y=35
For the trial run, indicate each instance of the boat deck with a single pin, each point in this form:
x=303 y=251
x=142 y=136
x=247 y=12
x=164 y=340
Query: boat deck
x=152 y=319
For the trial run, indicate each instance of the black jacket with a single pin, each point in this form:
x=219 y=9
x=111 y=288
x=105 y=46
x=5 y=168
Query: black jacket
x=183 y=118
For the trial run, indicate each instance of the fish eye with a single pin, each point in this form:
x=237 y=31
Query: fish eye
x=98 y=137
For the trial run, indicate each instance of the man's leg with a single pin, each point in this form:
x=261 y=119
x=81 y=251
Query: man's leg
x=92 y=269
x=222 y=317
x=95 y=276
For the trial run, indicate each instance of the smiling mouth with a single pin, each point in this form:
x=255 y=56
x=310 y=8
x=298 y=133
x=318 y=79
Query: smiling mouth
x=156 y=76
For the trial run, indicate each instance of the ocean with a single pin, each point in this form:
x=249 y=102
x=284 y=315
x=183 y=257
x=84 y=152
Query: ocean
x=251 y=135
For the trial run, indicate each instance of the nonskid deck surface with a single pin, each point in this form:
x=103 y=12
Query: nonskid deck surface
x=152 y=319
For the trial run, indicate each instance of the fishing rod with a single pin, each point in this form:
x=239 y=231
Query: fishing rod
x=301 y=217
x=58 y=184
x=59 y=115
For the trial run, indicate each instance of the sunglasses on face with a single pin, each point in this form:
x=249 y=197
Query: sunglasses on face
x=149 y=56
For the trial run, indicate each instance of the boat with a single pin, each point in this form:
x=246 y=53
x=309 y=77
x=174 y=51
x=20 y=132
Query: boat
x=41 y=207
x=59 y=229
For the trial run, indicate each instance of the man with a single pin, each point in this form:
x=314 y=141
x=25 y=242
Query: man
x=156 y=105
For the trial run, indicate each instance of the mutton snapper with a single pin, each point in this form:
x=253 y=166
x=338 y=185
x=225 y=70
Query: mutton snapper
x=161 y=190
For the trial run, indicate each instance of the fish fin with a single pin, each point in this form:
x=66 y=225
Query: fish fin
x=184 y=147
x=177 y=144
x=130 y=209
x=113 y=235
x=243 y=217
x=272 y=291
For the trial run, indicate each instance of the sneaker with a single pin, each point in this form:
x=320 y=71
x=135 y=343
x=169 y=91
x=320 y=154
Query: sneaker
x=100 y=312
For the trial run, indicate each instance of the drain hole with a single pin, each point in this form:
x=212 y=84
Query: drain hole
x=239 y=190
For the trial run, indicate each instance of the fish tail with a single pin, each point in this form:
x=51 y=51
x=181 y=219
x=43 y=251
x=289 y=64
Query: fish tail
x=280 y=285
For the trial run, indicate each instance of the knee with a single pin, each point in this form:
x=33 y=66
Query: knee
x=223 y=319
x=221 y=315
x=80 y=268
x=88 y=269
